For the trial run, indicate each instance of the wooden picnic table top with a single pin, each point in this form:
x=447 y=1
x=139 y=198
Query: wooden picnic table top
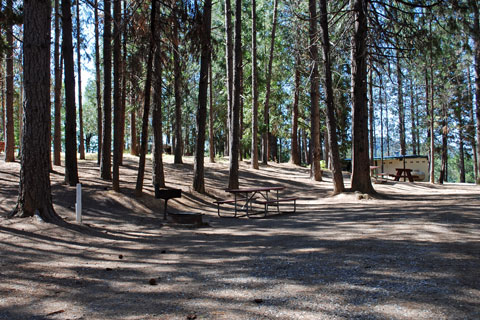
x=255 y=189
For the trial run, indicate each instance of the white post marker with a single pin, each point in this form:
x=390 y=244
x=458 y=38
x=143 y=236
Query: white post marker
x=78 y=205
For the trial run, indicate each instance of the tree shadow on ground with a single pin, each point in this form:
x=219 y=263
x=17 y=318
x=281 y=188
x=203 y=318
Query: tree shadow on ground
x=411 y=254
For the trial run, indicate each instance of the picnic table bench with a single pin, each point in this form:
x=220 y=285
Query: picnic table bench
x=403 y=173
x=245 y=198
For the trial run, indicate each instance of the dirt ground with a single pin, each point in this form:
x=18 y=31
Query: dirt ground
x=412 y=253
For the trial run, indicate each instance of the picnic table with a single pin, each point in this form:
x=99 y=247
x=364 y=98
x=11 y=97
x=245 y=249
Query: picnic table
x=377 y=176
x=245 y=198
x=404 y=173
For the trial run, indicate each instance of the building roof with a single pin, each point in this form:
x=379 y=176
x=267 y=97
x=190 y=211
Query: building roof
x=400 y=157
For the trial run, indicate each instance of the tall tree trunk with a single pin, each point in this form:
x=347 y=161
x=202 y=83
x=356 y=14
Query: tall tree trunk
x=328 y=162
x=20 y=113
x=432 y=130
x=10 y=136
x=35 y=195
x=211 y=138
x=81 y=144
x=401 y=107
x=117 y=94
x=57 y=126
x=235 y=128
x=305 y=147
x=443 y=169
x=360 y=162
x=387 y=126
x=432 y=113
x=198 y=167
x=2 y=93
x=254 y=147
x=158 y=177
x=381 y=121
x=98 y=84
x=133 y=133
x=240 y=146
x=329 y=99
x=316 y=172
x=370 y=113
x=229 y=61
x=186 y=143
x=123 y=72
x=471 y=126
x=413 y=117
x=476 y=45
x=146 y=107
x=106 y=161
x=266 y=106
x=178 y=97
x=461 y=143
x=71 y=173
x=295 y=151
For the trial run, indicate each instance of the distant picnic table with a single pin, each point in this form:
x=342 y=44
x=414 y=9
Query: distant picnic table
x=404 y=173
x=245 y=198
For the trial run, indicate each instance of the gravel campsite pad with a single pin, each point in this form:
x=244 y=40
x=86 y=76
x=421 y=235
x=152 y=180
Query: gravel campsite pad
x=413 y=252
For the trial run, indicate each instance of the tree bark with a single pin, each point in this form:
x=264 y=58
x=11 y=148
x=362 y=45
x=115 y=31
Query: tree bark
x=387 y=126
x=443 y=170
x=295 y=151
x=81 y=143
x=413 y=117
x=476 y=45
x=401 y=107
x=370 y=113
x=106 y=161
x=198 y=167
x=123 y=72
x=178 y=96
x=254 y=147
x=471 y=126
x=229 y=61
x=461 y=142
x=158 y=177
x=235 y=127
x=432 y=130
x=98 y=85
x=211 y=138
x=146 y=107
x=266 y=106
x=2 y=93
x=305 y=147
x=133 y=133
x=71 y=173
x=35 y=190
x=381 y=121
x=336 y=166
x=10 y=121
x=360 y=162
x=57 y=126
x=316 y=173
x=20 y=111
x=117 y=94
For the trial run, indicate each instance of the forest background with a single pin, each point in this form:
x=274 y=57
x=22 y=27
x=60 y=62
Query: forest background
x=261 y=61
